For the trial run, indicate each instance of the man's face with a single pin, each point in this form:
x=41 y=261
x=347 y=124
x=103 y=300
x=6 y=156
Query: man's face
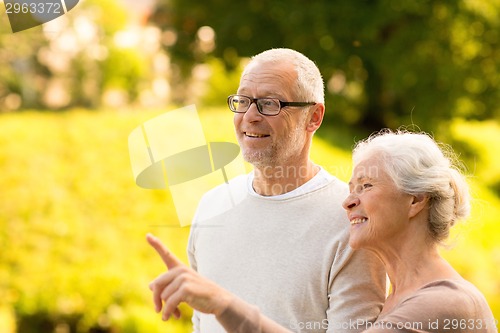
x=271 y=140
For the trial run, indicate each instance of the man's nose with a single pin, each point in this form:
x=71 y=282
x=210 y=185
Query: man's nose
x=253 y=113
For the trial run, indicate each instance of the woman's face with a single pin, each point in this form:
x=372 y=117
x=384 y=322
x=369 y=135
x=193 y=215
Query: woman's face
x=377 y=210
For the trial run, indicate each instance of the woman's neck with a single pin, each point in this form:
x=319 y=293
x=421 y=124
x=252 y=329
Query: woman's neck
x=412 y=268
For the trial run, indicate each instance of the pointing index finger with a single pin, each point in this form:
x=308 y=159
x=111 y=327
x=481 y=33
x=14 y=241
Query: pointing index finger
x=166 y=256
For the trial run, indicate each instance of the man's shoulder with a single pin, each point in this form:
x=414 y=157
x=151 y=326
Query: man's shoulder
x=337 y=189
x=236 y=184
x=222 y=198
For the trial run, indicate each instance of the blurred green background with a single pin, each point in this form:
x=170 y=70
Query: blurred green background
x=73 y=256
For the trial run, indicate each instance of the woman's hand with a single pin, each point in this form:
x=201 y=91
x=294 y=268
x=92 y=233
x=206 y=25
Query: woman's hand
x=182 y=284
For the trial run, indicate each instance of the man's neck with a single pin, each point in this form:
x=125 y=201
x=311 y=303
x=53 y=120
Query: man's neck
x=276 y=180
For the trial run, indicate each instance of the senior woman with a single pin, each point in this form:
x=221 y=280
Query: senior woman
x=405 y=195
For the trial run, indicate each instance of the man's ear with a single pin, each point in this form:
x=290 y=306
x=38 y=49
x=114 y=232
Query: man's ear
x=316 y=117
x=418 y=204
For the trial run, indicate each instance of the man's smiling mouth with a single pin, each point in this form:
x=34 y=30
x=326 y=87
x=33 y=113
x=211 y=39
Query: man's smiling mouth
x=255 y=135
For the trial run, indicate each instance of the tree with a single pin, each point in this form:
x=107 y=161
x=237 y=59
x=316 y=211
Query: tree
x=69 y=61
x=385 y=62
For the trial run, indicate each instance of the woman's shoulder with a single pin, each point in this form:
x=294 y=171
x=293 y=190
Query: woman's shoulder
x=452 y=297
x=448 y=291
x=442 y=305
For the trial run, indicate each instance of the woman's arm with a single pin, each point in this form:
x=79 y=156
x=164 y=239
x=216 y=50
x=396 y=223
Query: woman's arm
x=241 y=317
x=182 y=284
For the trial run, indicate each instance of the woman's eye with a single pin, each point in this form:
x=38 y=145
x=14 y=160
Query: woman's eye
x=359 y=188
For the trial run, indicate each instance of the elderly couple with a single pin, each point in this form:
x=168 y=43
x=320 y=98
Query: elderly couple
x=305 y=252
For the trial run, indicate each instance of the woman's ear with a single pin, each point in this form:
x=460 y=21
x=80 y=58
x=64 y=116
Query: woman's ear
x=418 y=204
x=316 y=117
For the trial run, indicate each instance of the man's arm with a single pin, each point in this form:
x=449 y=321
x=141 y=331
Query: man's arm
x=195 y=319
x=357 y=291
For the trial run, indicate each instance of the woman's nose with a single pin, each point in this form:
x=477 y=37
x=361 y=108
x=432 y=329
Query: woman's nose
x=350 y=202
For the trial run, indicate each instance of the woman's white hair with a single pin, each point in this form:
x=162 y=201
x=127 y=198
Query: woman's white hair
x=310 y=87
x=419 y=165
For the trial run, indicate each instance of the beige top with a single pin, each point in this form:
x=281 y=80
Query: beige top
x=440 y=306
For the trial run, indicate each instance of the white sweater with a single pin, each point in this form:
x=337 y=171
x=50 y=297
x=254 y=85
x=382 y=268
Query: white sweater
x=288 y=256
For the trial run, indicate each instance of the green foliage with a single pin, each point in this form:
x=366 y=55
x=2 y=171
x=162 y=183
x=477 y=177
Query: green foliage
x=108 y=14
x=476 y=252
x=123 y=69
x=67 y=53
x=386 y=62
x=221 y=83
x=478 y=137
x=73 y=224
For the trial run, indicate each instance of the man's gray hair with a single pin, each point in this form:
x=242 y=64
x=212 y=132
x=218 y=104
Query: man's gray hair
x=310 y=86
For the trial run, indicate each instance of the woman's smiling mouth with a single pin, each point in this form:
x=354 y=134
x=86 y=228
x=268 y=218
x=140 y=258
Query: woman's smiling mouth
x=358 y=220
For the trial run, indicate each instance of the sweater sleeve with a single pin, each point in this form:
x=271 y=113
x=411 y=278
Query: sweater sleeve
x=357 y=292
x=241 y=317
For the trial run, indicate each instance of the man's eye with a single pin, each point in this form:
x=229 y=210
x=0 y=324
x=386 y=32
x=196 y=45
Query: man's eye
x=367 y=185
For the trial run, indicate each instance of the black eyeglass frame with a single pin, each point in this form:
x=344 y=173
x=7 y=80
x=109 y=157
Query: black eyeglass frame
x=254 y=100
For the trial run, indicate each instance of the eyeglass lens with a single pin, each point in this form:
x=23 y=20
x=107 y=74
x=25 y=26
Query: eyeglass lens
x=264 y=105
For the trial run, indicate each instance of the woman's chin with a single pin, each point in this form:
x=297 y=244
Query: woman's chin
x=354 y=244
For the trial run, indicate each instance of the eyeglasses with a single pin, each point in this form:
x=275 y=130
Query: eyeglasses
x=265 y=106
